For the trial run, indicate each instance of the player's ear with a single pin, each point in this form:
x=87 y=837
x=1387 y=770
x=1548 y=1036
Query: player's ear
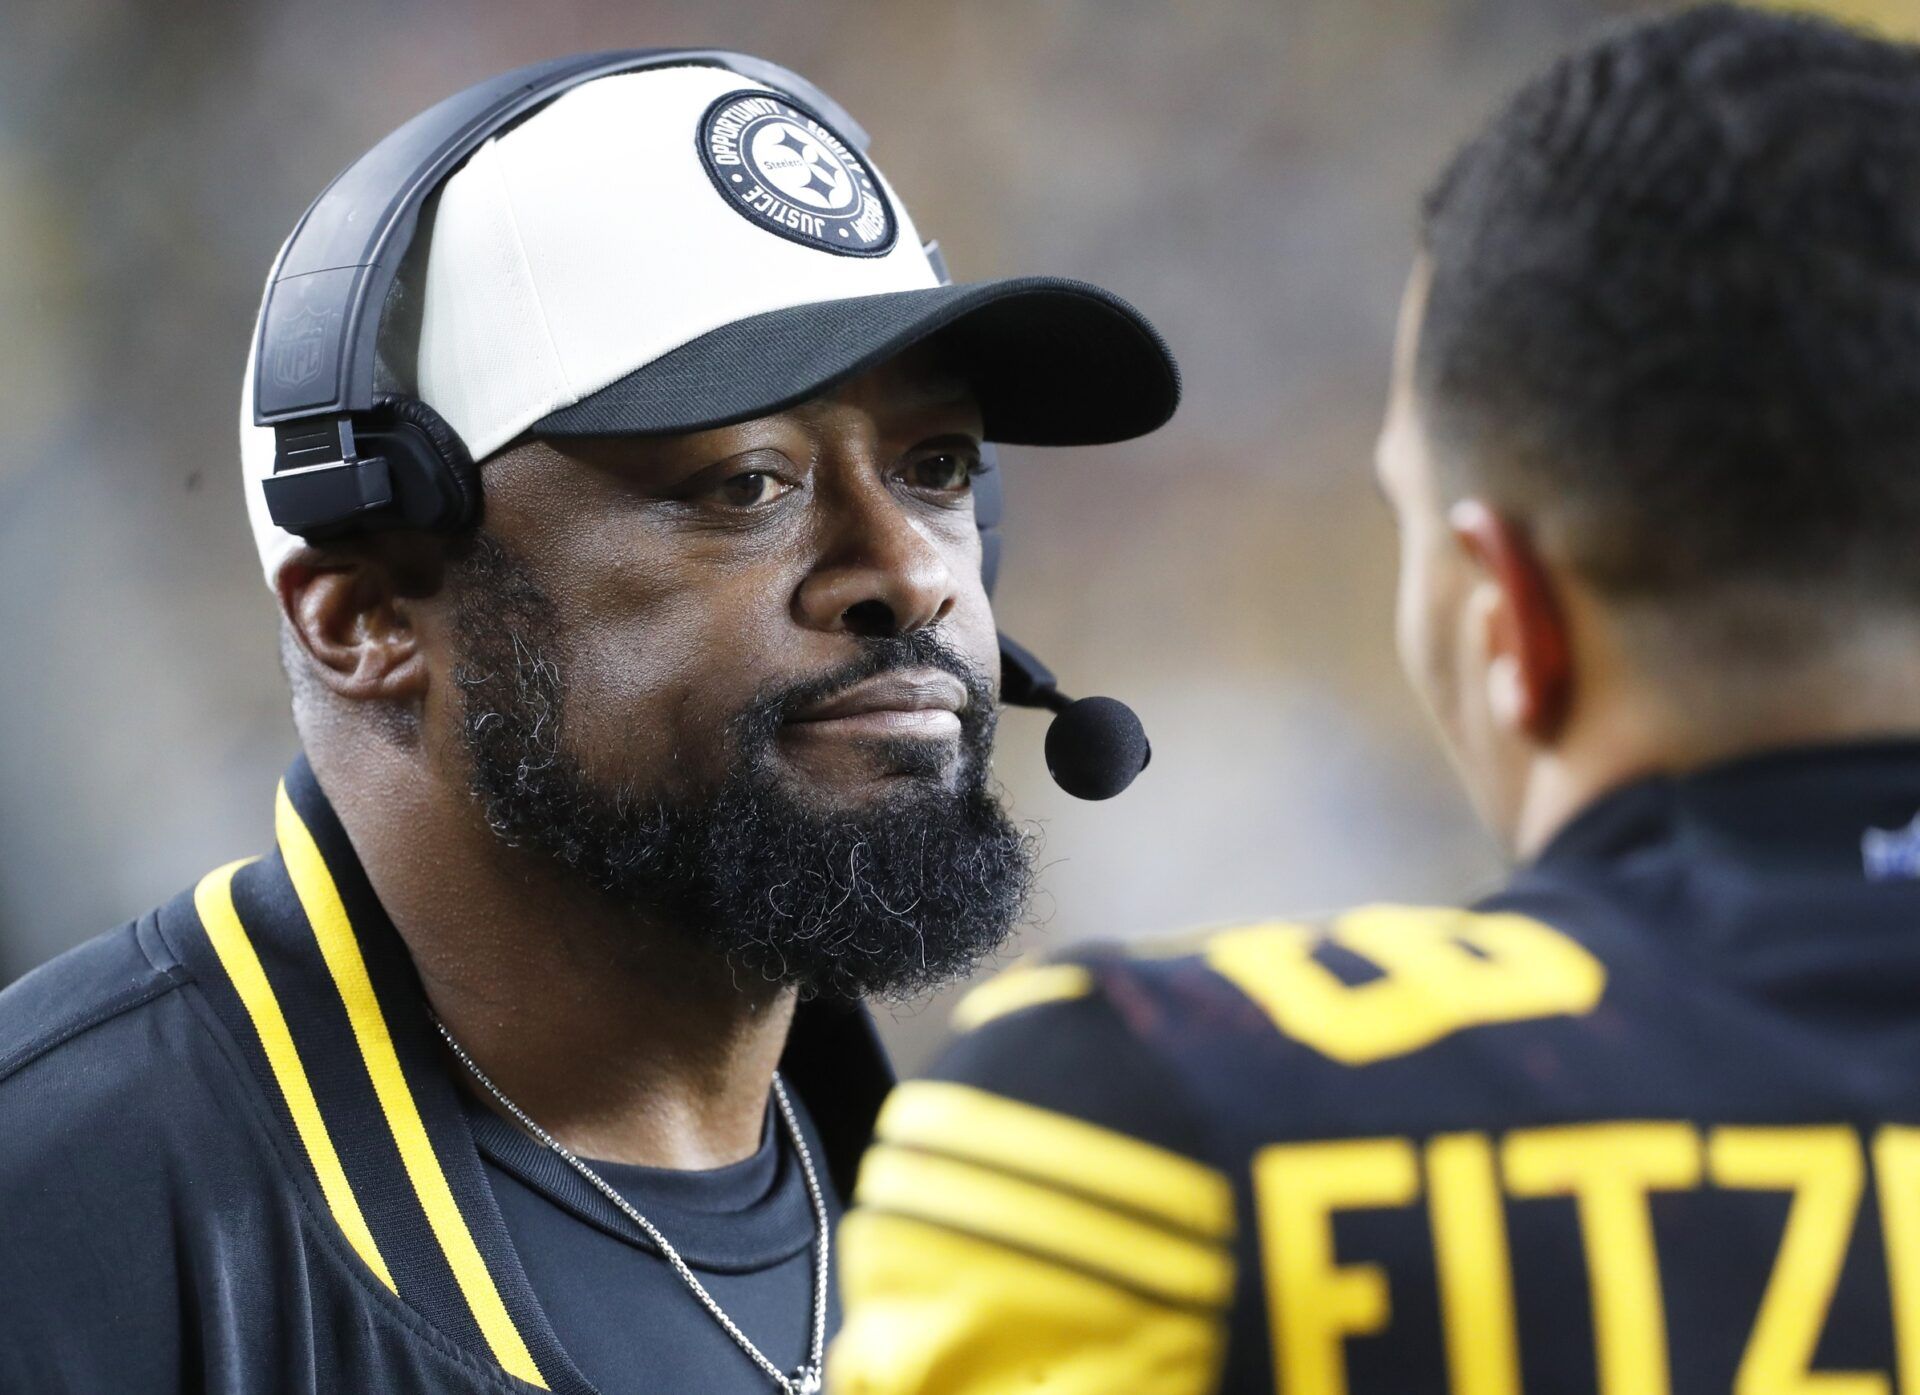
x=353 y=614
x=1529 y=671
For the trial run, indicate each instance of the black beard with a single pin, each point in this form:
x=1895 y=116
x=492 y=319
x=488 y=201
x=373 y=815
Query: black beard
x=885 y=901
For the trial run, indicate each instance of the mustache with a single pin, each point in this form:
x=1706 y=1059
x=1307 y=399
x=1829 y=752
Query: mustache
x=879 y=654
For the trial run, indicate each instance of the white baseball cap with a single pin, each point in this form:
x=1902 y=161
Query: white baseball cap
x=682 y=247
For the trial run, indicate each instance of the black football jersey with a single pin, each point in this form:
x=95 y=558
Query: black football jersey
x=1648 y=1120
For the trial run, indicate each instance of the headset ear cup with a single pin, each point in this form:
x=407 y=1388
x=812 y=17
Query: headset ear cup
x=456 y=479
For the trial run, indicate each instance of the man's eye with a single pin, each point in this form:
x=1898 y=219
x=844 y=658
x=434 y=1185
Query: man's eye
x=744 y=491
x=950 y=472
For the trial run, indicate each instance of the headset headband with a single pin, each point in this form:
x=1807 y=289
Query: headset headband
x=342 y=257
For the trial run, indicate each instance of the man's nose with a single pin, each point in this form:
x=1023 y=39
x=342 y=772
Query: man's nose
x=879 y=574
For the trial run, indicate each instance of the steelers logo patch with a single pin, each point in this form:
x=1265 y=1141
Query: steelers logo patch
x=782 y=167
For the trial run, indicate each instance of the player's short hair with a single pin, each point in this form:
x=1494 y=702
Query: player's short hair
x=1674 y=312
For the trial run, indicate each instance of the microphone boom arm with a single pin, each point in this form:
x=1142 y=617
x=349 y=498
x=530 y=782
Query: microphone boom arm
x=1095 y=746
x=1025 y=681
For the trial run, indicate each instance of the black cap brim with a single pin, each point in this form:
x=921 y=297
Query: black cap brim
x=1053 y=362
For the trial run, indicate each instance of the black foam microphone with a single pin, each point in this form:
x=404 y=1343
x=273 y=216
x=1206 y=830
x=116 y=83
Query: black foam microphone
x=1095 y=746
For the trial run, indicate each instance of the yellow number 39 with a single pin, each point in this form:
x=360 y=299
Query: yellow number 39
x=1439 y=972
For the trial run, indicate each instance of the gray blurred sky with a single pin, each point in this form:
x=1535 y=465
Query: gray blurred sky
x=1247 y=172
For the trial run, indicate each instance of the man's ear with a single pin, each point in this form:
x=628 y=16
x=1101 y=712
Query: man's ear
x=1530 y=669
x=353 y=617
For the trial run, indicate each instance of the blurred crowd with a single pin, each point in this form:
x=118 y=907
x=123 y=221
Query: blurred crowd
x=1247 y=171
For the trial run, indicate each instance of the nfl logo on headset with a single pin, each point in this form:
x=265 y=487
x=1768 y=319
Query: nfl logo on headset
x=300 y=349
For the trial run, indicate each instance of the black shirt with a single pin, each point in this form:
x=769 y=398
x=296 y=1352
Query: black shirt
x=629 y=1322
x=233 y=1161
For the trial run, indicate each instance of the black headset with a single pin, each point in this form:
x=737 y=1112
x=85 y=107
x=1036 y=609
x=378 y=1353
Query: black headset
x=350 y=459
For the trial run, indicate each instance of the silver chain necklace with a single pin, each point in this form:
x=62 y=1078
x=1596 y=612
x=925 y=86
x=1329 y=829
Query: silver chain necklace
x=806 y=1380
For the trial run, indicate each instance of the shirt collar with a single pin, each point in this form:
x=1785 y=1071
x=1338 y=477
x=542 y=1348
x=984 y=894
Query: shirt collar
x=1809 y=805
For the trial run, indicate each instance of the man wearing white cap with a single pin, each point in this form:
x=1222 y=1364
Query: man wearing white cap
x=636 y=754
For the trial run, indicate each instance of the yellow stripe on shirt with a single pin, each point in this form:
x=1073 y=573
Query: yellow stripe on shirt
x=314 y=885
x=1067 y=1230
x=1019 y=989
x=934 y=1312
x=213 y=899
x=940 y=1116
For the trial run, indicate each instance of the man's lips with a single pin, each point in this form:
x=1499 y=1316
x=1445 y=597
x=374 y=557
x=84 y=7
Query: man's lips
x=911 y=702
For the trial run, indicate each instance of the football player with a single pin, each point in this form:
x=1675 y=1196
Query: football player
x=1647 y=1119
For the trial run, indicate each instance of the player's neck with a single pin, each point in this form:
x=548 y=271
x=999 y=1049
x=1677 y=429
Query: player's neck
x=1644 y=730
x=627 y=1042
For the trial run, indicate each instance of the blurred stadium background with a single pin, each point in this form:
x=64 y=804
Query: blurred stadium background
x=1247 y=171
